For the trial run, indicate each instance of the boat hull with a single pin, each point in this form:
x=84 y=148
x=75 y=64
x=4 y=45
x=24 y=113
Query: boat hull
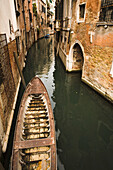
x=34 y=145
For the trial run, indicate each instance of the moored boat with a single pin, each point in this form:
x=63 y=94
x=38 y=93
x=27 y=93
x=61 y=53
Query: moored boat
x=34 y=145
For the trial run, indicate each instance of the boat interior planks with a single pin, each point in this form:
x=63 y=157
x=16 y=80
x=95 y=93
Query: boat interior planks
x=34 y=145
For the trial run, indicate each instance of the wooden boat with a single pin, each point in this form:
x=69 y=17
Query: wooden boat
x=34 y=145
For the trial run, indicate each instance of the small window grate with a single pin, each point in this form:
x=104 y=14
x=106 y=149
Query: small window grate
x=106 y=12
x=106 y=3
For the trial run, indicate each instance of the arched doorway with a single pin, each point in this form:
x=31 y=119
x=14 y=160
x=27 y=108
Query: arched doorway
x=77 y=58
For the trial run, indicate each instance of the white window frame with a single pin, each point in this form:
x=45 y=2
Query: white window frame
x=80 y=20
x=111 y=71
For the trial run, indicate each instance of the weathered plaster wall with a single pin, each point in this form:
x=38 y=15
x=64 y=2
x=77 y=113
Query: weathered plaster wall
x=15 y=72
x=63 y=56
x=96 y=43
x=98 y=48
x=26 y=8
x=7 y=12
x=8 y=89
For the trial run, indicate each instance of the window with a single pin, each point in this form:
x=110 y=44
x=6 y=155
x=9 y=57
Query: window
x=18 y=45
x=1 y=75
x=10 y=26
x=106 y=12
x=111 y=71
x=43 y=9
x=40 y=6
x=81 y=12
x=30 y=16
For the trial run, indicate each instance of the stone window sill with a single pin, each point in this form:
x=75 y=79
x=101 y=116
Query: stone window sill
x=81 y=21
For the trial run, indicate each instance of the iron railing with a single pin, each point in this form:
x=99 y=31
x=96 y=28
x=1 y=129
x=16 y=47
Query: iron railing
x=107 y=3
x=106 y=12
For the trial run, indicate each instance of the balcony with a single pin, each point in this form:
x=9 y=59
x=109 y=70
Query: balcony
x=66 y=24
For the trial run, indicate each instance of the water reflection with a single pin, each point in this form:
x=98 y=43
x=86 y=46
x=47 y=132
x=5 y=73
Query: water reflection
x=84 y=124
x=84 y=120
x=40 y=61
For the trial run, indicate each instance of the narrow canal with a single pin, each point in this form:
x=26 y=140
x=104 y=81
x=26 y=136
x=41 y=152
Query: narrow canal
x=83 y=119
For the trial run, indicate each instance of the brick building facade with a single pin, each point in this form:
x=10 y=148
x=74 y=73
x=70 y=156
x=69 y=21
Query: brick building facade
x=84 y=34
x=18 y=31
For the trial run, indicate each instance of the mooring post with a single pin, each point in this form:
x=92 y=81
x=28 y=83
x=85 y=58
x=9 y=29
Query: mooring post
x=57 y=49
x=19 y=69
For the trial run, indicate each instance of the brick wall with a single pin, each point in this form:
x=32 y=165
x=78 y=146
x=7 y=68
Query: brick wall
x=96 y=42
x=12 y=48
x=26 y=7
x=9 y=74
x=7 y=85
x=98 y=52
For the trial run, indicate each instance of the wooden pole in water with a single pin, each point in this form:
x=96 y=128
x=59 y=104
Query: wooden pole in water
x=19 y=69
x=57 y=48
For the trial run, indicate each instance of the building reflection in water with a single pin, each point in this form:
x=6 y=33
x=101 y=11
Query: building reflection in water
x=84 y=120
x=40 y=61
x=84 y=124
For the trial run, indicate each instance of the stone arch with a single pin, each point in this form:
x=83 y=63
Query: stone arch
x=76 y=56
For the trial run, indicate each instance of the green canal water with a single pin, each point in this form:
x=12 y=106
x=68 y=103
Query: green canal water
x=83 y=119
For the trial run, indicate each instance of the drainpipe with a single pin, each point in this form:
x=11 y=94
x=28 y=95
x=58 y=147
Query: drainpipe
x=69 y=63
x=57 y=49
x=24 y=23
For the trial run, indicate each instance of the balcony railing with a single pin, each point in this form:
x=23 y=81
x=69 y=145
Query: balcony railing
x=106 y=3
x=106 y=12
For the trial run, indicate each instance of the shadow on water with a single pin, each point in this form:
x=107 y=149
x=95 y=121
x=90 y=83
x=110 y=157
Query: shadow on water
x=83 y=119
x=84 y=124
x=39 y=61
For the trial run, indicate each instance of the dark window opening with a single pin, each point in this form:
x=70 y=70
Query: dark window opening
x=1 y=75
x=61 y=38
x=42 y=21
x=18 y=45
x=55 y=13
x=50 y=25
x=30 y=16
x=10 y=26
x=15 y=4
x=82 y=10
x=106 y=12
x=43 y=9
